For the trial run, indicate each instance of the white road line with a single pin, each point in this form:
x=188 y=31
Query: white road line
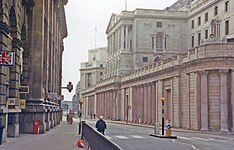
x=137 y=136
x=186 y=138
x=121 y=137
x=200 y=139
x=216 y=140
x=108 y=137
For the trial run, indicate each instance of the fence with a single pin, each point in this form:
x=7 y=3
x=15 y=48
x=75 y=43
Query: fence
x=95 y=140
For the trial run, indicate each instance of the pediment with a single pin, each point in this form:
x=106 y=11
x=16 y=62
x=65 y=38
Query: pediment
x=112 y=21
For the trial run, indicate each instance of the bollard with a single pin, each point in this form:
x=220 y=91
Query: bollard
x=168 y=130
x=156 y=128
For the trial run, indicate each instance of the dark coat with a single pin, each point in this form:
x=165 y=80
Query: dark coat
x=101 y=125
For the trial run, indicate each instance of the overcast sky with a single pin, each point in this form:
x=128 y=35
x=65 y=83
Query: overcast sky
x=82 y=17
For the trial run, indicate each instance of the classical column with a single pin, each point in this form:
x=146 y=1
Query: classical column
x=204 y=101
x=126 y=37
x=142 y=104
x=145 y=102
x=111 y=104
x=156 y=102
x=153 y=103
x=224 y=100
x=172 y=102
x=149 y=103
x=188 y=99
x=122 y=37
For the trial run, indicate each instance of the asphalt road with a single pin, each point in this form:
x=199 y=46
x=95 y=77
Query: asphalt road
x=131 y=137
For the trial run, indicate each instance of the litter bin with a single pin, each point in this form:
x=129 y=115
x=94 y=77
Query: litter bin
x=1 y=133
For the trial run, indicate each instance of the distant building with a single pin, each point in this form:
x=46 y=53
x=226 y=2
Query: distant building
x=184 y=53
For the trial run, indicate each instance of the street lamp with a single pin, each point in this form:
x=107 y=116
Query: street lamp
x=81 y=101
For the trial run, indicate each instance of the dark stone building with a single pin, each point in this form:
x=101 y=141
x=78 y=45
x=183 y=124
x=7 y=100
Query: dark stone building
x=30 y=88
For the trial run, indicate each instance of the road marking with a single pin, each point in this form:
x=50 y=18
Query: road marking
x=121 y=137
x=200 y=139
x=186 y=138
x=137 y=136
x=108 y=137
x=185 y=144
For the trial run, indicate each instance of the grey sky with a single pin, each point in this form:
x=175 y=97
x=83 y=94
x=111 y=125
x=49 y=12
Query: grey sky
x=83 y=16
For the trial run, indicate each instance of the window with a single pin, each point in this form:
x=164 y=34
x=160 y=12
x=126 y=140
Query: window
x=226 y=27
x=206 y=34
x=159 y=24
x=152 y=42
x=145 y=59
x=192 y=24
x=100 y=73
x=216 y=10
x=159 y=41
x=199 y=38
x=192 y=41
x=199 y=21
x=206 y=17
x=101 y=65
x=130 y=45
x=226 y=6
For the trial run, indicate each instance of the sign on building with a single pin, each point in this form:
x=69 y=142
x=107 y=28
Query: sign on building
x=11 y=101
x=22 y=103
x=6 y=58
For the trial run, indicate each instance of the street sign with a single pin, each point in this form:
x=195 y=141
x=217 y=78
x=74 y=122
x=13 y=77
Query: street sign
x=11 y=101
x=6 y=58
x=22 y=103
x=24 y=89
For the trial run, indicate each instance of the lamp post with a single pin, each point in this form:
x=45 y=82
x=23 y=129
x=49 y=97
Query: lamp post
x=81 y=101
x=163 y=100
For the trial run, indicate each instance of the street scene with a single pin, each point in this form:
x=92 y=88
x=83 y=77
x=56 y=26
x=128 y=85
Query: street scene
x=119 y=74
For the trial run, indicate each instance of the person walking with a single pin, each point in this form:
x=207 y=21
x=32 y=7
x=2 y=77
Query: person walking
x=101 y=125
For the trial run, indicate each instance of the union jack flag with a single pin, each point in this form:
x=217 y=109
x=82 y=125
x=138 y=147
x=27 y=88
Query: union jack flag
x=6 y=58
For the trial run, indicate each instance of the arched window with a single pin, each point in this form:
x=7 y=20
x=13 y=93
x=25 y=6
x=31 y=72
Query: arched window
x=159 y=41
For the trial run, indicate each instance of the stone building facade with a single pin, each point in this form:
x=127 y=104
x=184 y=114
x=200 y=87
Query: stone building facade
x=197 y=81
x=30 y=89
x=92 y=71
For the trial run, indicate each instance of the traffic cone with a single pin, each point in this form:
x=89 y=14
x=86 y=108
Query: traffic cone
x=80 y=143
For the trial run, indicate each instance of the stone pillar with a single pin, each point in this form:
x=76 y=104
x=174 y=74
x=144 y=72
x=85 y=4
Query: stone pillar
x=145 y=102
x=224 y=100
x=122 y=37
x=188 y=100
x=204 y=101
x=197 y=94
x=178 y=98
x=142 y=104
x=232 y=98
x=153 y=104
x=172 y=102
x=126 y=37
x=156 y=102
x=149 y=104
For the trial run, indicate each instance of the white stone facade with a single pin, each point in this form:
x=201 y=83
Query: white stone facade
x=196 y=78
x=93 y=71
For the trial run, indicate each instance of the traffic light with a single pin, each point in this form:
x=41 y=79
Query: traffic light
x=69 y=86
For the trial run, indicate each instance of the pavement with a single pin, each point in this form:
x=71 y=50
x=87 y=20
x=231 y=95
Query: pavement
x=61 y=137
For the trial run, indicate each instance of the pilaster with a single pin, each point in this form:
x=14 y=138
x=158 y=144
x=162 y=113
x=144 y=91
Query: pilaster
x=224 y=100
x=204 y=100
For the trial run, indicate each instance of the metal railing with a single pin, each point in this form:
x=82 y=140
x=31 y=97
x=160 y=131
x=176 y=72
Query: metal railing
x=95 y=140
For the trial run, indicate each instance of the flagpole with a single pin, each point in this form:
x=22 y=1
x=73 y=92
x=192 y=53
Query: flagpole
x=95 y=37
x=126 y=7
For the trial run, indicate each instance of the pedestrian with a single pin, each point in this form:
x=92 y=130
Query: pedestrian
x=101 y=125
x=91 y=116
x=94 y=116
